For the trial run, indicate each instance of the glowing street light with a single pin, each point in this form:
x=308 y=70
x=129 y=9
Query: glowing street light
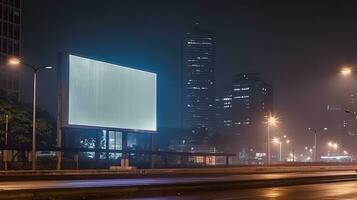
x=333 y=145
x=16 y=61
x=276 y=140
x=346 y=71
x=272 y=120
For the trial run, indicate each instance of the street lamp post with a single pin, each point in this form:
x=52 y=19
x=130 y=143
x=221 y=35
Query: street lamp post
x=271 y=120
x=315 y=132
x=280 y=142
x=277 y=141
x=16 y=61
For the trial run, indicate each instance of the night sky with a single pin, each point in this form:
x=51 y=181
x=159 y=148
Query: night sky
x=297 y=45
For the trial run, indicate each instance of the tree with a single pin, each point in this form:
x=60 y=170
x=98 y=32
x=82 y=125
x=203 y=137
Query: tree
x=20 y=124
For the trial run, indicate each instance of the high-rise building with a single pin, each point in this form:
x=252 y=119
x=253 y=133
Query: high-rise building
x=252 y=99
x=245 y=108
x=10 y=40
x=198 y=80
x=349 y=124
x=224 y=109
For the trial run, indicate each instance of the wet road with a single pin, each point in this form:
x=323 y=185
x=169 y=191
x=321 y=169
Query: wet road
x=48 y=184
x=327 y=191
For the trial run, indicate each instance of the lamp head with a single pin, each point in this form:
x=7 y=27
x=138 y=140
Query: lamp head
x=346 y=71
x=14 y=61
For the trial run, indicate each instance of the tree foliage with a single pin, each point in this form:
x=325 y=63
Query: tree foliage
x=20 y=124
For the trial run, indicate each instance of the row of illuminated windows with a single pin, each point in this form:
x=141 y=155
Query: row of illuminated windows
x=241 y=97
x=198 y=88
x=10 y=14
x=205 y=43
x=243 y=89
x=245 y=123
x=10 y=30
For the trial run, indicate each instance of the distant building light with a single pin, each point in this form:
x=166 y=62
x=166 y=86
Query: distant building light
x=241 y=97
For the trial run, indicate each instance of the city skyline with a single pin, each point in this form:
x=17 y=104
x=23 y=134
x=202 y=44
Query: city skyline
x=255 y=39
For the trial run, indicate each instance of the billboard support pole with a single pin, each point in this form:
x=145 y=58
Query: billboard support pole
x=152 y=148
x=107 y=146
x=59 y=109
x=124 y=142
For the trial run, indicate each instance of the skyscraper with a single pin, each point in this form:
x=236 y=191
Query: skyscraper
x=252 y=99
x=10 y=39
x=245 y=108
x=224 y=109
x=198 y=80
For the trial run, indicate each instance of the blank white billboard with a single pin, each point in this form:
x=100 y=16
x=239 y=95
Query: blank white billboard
x=105 y=95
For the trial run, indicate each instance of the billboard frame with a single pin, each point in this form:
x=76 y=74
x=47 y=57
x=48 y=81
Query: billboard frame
x=64 y=96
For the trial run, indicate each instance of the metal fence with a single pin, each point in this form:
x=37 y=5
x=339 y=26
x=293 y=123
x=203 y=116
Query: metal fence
x=90 y=158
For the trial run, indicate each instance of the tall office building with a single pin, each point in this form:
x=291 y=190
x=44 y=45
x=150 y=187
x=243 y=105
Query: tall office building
x=224 y=109
x=252 y=99
x=198 y=80
x=245 y=108
x=10 y=39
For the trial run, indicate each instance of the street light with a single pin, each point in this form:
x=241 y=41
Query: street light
x=346 y=71
x=271 y=120
x=334 y=145
x=277 y=141
x=345 y=152
x=17 y=61
x=315 y=131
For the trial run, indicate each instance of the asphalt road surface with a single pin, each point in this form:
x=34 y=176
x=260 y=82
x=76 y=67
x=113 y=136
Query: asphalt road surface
x=327 y=191
x=48 y=184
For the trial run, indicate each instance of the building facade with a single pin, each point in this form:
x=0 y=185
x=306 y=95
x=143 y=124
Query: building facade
x=245 y=107
x=10 y=45
x=252 y=100
x=198 y=80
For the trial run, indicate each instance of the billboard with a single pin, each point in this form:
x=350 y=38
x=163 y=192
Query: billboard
x=104 y=95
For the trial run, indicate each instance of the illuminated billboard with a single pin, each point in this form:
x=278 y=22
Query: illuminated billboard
x=104 y=95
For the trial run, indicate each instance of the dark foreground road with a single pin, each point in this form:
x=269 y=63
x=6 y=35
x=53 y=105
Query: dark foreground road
x=203 y=187
x=327 y=191
x=99 y=183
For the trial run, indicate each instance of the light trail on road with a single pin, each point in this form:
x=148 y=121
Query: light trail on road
x=48 y=184
x=338 y=190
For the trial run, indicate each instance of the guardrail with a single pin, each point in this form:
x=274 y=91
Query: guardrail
x=90 y=158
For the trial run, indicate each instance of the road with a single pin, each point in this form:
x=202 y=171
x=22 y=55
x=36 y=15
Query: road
x=186 y=187
x=55 y=184
x=327 y=191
